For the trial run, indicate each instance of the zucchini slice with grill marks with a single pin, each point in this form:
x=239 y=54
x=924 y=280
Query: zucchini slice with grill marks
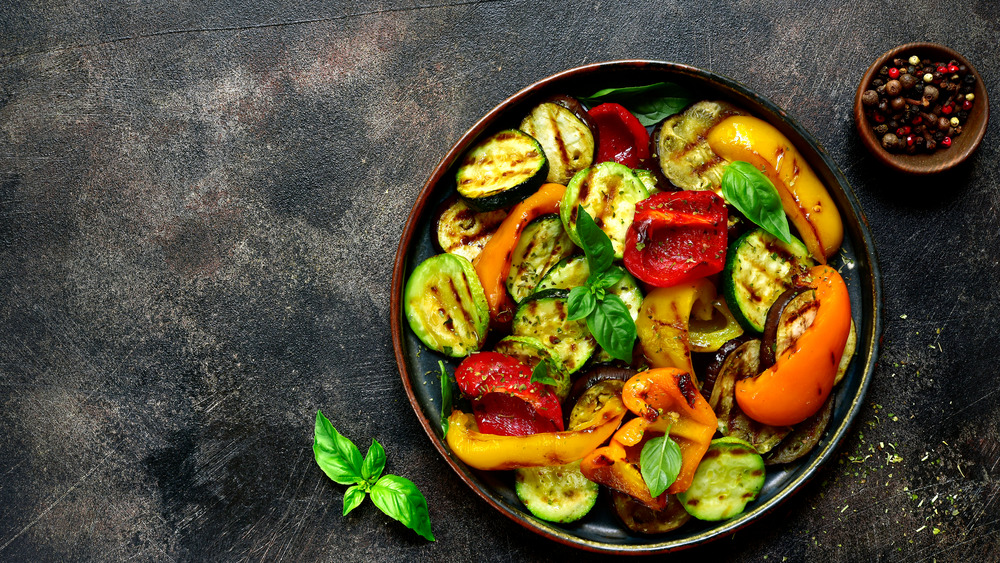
x=730 y=475
x=501 y=170
x=445 y=304
x=609 y=192
x=759 y=268
x=544 y=316
x=681 y=147
x=568 y=142
x=556 y=493
x=464 y=231
x=542 y=245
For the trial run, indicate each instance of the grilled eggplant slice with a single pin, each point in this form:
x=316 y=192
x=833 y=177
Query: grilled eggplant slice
x=501 y=170
x=804 y=437
x=445 y=305
x=609 y=192
x=464 y=231
x=681 y=148
x=568 y=142
x=640 y=518
x=542 y=245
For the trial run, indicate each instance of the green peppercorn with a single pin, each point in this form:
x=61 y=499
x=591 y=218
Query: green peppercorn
x=890 y=141
x=881 y=129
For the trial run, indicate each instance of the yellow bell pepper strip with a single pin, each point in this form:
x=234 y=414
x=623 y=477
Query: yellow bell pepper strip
x=803 y=196
x=798 y=383
x=493 y=452
x=662 y=324
x=708 y=335
x=665 y=401
x=493 y=263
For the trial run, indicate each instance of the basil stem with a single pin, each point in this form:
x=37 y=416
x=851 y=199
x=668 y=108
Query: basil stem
x=446 y=399
x=753 y=194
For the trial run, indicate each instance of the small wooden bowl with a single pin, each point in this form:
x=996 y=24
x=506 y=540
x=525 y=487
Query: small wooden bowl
x=940 y=160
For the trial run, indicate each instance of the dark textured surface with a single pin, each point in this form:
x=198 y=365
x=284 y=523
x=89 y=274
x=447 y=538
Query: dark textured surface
x=199 y=207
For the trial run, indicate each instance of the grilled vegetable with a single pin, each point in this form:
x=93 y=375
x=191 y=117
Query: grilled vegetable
x=803 y=196
x=803 y=438
x=544 y=316
x=759 y=268
x=568 y=142
x=623 y=138
x=501 y=170
x=542 y=245
x=684 y=155
x=445 y=305
x=609 y=192
x=530 y=352
x=731 y=474
x=640 y=518
x=464 y=231
x=662 y=325
x=486 y=373
x=556 y=493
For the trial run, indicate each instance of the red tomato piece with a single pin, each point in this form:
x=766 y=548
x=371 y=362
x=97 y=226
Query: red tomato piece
x=677 y=237
x=507 y=415
x=485 y=373
x=620 y=136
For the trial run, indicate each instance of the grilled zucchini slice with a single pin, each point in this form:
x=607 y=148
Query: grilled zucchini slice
x=730 y=475
x=501 y=170
x=609 y=192
x=542 y=245
x=568 y=142
x=759 y=268
x=464 y=231
x=680 y=146
x=446 y=307
x=544 y=316
x=556 y=493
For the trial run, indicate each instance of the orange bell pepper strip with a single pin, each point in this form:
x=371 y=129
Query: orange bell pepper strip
x=492 y=451
x=666 y=401
x=493 y=263
x=798 y=383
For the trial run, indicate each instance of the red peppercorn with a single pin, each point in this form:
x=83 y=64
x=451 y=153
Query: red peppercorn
x=901 y=131
x=879 y=118
x=917 y=120
x=947 y=109
x=893 y=72
x=952 y=68
x=942 y=69
x=967 y=105
x=946 y=141
x=910 y=139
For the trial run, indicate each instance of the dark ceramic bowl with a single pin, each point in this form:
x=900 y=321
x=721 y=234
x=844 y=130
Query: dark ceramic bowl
x=600 y=530
x=942 y=159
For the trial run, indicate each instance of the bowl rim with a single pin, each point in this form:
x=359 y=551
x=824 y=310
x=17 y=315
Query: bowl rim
x=870 y=341
x=920 y=164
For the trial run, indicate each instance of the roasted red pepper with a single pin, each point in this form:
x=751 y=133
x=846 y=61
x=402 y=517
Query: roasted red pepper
x=621 y=137
x=677 y=237
x=484 y=374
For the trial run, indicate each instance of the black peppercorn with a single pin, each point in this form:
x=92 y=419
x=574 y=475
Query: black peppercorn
x=870 y=98
x=893 y=87
x=907 y=81
x=898 y=103
x=878 y=82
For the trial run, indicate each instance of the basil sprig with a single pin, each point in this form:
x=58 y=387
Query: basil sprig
x=446 y=399
x=750 y=191
x=660 y=463
x=651 y=104
x=396 y=496
x=608 y=318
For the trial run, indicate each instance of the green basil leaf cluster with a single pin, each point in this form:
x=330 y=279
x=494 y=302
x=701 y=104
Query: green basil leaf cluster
x=396 y=496
x=650 y=104
x=608 y=318
x=750 y=191
x=660 y=463
x=446 y=399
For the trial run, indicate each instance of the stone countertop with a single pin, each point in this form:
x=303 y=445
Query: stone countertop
x=199 y=208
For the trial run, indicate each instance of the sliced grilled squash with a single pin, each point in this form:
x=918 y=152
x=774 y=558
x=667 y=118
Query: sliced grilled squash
x=542 y=245
x=568 y=142
x=501 y=170
x=680 y=145
x=609 y=192
x=464 y=231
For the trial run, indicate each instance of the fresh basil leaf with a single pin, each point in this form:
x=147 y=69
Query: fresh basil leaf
x=399 y=498
x=446 y=399
x=580 y=303
x=374 y=462
x=607 y=278
x=541 y=374
x=613 y=327
x=595 y=242
x=337 y=456
x=660 y=463
x=650 y=104
x=353 y=497
x=750 y=191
